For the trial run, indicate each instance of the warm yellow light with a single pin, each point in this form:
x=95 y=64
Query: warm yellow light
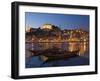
x=46 y=26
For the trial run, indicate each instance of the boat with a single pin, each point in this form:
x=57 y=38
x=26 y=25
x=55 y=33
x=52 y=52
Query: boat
x=46 y=51
x=56 y=54
x=36 y=52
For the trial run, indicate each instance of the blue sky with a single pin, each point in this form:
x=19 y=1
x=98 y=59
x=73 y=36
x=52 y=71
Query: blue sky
x=64 y=21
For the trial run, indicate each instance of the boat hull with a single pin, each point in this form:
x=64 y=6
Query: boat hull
x=66 y=55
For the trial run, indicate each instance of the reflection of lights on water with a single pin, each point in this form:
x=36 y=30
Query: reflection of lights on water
x=32 y=46
x=72 y=46
x=75 y=46
x=84 y=46
x=79 y=54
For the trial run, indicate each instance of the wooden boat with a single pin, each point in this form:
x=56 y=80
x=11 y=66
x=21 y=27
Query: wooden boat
x=46 y=51
x=36 y=53
x=54 y=54
x=57 y=56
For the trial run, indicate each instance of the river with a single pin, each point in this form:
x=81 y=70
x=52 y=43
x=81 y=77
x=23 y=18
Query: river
x=35 y=61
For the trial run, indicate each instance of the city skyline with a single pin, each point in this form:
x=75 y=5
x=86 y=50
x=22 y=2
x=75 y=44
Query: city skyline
x=64 y=21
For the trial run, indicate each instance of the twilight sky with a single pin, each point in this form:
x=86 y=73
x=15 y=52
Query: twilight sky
x=64 y=21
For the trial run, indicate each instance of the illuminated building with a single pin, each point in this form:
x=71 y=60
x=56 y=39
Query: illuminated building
x=47 y=26
x=27 y=29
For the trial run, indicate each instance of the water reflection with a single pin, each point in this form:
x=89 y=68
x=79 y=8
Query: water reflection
x=35 y=61
x=83 y=47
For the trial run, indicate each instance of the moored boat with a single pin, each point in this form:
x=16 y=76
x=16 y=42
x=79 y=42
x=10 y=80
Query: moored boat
x=54 y=54
x=36 y=53
x=57 y=56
